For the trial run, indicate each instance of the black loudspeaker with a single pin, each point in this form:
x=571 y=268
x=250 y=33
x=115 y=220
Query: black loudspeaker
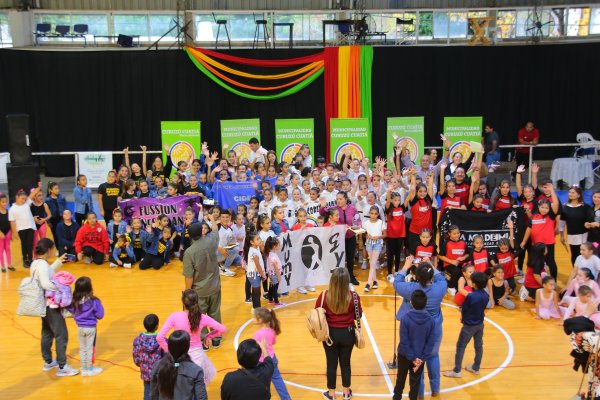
x=23 y=177
x=19 y=143
x=125 y=41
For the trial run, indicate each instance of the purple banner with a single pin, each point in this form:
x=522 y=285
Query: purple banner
x=148 y=208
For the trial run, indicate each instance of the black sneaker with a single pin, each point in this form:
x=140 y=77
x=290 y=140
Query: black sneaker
x=26 y=264
x=327 y=396
x=216 y=343
x=375 y=286
x=354 y=282
x=248 y=301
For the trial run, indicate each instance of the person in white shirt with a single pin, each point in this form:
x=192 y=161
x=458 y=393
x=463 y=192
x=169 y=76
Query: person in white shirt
x=227 y=250
x=22 y=222
x=258 y=152
x=329 y=193
x=266 y=206
x=375 y=228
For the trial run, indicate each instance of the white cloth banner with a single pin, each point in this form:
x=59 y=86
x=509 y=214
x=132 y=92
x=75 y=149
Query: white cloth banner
x=309 y=256
x=95 y=166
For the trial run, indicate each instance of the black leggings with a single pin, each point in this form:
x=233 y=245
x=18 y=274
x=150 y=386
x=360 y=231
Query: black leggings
x=26 y=236
x=455 y=273
x=522 y=255
x=550 y=261
x=273 y=295
x=79 y=218
x=96 y=256
x=248 y=289
x=574 y=252
x=340 y=353
x=394 y=249
x=152 y=261
x=350 y=253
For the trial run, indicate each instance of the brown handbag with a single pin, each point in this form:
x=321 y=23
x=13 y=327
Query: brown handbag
x=359 y=339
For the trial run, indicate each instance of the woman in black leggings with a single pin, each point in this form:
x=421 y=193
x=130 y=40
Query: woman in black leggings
x=575 y=214
x=341 y=307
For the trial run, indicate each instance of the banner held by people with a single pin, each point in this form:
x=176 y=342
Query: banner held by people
x=490 y=226
x=291 y=134
x=180 y=139
x=230 y=194
x=148 y=209
x=309 y=256
x=410 y=130
x=235 y=133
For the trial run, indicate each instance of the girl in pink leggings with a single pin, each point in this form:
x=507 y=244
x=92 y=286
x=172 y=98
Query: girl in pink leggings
x=5 y=235
x=41 y=214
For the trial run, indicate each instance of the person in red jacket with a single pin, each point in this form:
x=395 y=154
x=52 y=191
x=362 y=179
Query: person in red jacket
x=92 y=241
x=528 y=135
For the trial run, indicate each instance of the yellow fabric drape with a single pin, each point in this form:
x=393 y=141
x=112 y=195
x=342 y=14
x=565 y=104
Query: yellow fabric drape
x=210 y=61
x=343 y=77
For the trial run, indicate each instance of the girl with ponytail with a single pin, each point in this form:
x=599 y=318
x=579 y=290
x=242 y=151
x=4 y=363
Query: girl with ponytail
x=175 y=376
x=192 y=321
x=268 y=324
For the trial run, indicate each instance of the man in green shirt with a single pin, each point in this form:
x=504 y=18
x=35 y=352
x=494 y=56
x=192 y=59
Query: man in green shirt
x=201 y=272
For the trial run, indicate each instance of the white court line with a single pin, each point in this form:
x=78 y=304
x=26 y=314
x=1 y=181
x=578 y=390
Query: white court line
x=475 y=382
x=384 y=371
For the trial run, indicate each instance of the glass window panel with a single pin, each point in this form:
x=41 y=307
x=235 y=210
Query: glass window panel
x=316 y=27
x=524 y=22
x=474 y=14
x=134 y=24
x=161 y=24
x=440 y=24
x=206 y=28
x=458 y=24
x=506 y=24
x=242 y=27
x=578 y=20
x=557 y=28
x=97 y=23
x=54 y=19
x=5 y=35
x=425 y=25
x=300 y=29
x=595 y=21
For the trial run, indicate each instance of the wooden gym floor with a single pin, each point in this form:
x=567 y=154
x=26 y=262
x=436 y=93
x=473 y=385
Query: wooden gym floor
x=523 y=357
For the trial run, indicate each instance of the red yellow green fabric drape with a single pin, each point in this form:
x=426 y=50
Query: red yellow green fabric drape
x=347 y=72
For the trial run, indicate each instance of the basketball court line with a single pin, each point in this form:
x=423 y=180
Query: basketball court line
x=493 y=373
x=382 y=366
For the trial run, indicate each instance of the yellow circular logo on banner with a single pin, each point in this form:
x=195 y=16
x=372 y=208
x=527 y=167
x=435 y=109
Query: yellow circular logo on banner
x=181 y=151
x=289 y=151
x=463 y=148
x=411 y=145
x=355 y=151
x=242 y=149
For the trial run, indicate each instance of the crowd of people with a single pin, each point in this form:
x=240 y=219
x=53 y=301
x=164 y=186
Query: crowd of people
x=390 y=211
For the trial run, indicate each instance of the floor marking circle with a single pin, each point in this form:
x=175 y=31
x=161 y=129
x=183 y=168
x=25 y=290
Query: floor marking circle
x=495 y=372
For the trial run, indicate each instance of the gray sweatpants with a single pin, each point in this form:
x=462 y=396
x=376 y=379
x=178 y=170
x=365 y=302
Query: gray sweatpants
x=87 y=339
x=54 y=328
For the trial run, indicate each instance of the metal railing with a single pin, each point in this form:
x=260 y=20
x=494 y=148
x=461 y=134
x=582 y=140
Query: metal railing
x=509 y=146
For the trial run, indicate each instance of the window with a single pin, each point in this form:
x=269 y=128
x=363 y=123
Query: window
x=449 y=24
x=578 y=21
x=161 y=24
x=53 y=19
x=595 y=21
x=97 y=23
x=506 y=24
x=132 y=25
x=425 y=25
x=5 y=35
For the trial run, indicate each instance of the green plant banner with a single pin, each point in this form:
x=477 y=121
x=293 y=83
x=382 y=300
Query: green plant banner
x=460 y=131
x=291 y=134
x=410 y=130
x=181 y=139
x=352 y=134
x=236 y=133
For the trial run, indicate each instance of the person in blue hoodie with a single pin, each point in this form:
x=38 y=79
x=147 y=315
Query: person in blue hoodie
x=66 y=232
x=472 y=316
x=57 y=203
x=116 y=227
x=82 y=199
x=416 y=343
x=433 y=283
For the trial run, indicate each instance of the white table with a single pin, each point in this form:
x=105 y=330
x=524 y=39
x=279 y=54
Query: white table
x=572 y=171
x=4 y=159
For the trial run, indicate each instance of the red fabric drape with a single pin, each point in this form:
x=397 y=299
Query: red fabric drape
x=262 y=63
x=331 y=91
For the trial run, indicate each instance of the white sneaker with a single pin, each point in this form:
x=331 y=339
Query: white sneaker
x=88 y=260
x=127 y=265
x=112 y=265
x=226 y=272
x=452 y=374
x=471 y=370
x=310 y=288
x=301 y=290
x=523 y=294
x=452 y=292
x=92 y=371
x=48 y=367
x=390 y=278
x=66 y=370
x=522 y=280
x=363 y=265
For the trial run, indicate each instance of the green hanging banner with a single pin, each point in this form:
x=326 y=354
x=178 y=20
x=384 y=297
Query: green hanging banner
x=181 y=139
x=410 y=130
x=352 y=134
x=236 y=133
x=291 y=134
x=461 y=131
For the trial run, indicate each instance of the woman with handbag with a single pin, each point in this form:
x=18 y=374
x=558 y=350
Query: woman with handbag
x=54 y=327
x=342 y=308
x=433 y=283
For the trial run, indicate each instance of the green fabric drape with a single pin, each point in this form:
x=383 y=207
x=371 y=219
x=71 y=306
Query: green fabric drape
x=294 y=89
x=366 y=63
